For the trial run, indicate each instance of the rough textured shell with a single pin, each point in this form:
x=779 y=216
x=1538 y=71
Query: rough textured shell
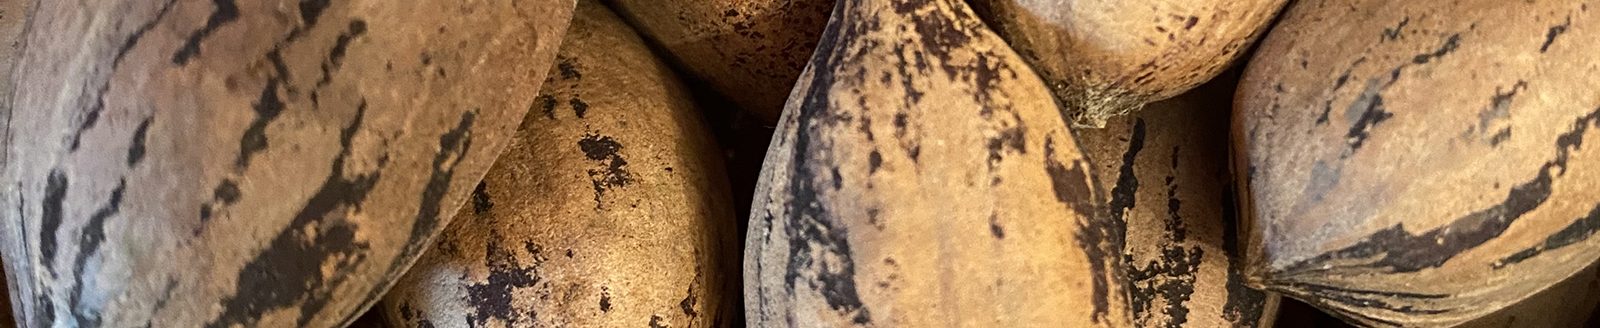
x=254 y=163
x=1168 y=175
x=921 y=165
x=750 y=51
x=609 y=210
x=13 y=15
x=1104 y=58
x=1428 y=167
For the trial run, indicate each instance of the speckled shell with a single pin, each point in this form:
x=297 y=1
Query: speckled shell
x=1571 y=303
x=1426 y=165
x=13 y=15
x=1105 y=58
x=922 y=177
x=750 y=51
x=610 y=209
x=1168 y=170
x=250 y=163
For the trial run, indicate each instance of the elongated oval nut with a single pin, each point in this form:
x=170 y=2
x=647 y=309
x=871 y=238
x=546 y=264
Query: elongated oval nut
x=610 y=209
x=921 y=165
x=1427 y=168
x=250 y=163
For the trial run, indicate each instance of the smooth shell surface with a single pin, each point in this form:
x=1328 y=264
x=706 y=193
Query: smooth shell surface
x=1426 y=165
x=1105 y=58
x=250 y=163
x=610 y=209
x=1167 y=169
x=750 y=51
x=922 y=176
x=1571 y=303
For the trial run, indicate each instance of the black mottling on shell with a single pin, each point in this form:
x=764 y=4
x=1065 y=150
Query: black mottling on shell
x=1370 y=102
x=267 y=108
x=547 y=104
x=55 y=193
x=1499 y=109
x=1500 y=136
x=605 y=297
x=994 y=226
x=282 y=69
x=688 y=302
x=1243 y=305
x=227 y=192
x=1171 y=277
x=310 y=10
x=656 y=321
x=136 y=148
x=138 y=34
x=356 y=28
x=1577 y=231
x=293 y=271
x=1099 y=235
x=1071 y=185
x=481 y=202
x=336 y=55
x=491 y=300
x=1371 y=114
x=1123 y=193
x=819 y=246
x=45 y=310
x=874 y=161
x=1555 y=31
x=455 y=143
x=568 y=68
x=613 y=171
x=1393 y=33
x=1338 y=83
x=93 y=113
x=1403 y=252
x=1009 y=139
x=1451 y=43
x=579 y=107
x=226 y=12
x=92 y=235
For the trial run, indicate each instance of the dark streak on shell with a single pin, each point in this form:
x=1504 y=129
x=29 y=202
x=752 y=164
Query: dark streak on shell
x=305 y=268
x=296 y=257
x=822 y=211
x=1180 y=242
x=1379 y=237
x=814 y=230
x=657 y=209
x=1403 y=252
